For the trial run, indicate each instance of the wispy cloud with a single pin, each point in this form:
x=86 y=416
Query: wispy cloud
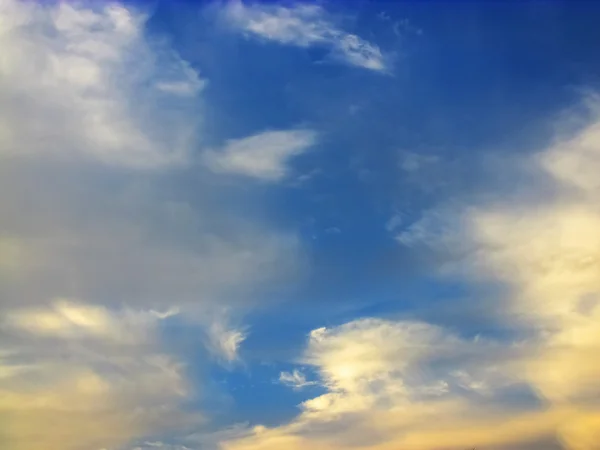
x=305 y=25
x=224 y=340
x=295 y=379
x=264 y=156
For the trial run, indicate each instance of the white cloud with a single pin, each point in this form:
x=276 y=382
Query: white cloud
x=295 y=379
x=94 y=258
x=399 y=384
x=70 y=70
x=264 y=156
x=547 y=254
x=573 y=160
x=368 y=363
x=304 y=25
x=224 y=340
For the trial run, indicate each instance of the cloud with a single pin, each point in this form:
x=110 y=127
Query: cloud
x=295 y=379
x=264 y=156
x=550 y=256
x=80 y=370
x=224 y=341
x=68 y=70
x=414 y=385
x=101 y=245
x=74 y=224
x=304 y=25
x=372 y=363
x=404 y=384
x=212 y=440
x=66 y=319
x=546 y=253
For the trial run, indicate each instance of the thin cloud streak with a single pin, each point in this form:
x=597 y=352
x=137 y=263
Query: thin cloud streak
x=305 y=25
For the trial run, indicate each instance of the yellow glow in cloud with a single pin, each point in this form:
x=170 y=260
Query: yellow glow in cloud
x=380 y=375
x=71 y=320
x=550 y=256
x=12 y=256
x=83 y=377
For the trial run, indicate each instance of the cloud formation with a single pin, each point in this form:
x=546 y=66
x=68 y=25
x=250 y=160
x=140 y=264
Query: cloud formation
x=413 y=385
x=546 y=252
x=304 y=25
x=99 y=248
x=66 y=74
x=103 y=250
x=264 y=156
x=224 y=340
x=72 y=371
x=404 y=384
x=295 y=379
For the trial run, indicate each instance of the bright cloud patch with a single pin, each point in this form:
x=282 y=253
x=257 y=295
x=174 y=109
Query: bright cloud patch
x=398 y=384
x=95 y=260
x=548 y=255
x=72 y=371
x=70 y=320
x=264 y=156
x=68 y=70
x=304 y=25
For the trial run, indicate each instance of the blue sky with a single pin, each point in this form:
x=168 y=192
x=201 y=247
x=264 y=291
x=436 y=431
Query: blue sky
x=245 y=225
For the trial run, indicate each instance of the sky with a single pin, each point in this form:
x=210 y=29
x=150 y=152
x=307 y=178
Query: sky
x=243 y=225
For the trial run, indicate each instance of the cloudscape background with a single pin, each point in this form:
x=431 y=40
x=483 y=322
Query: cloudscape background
x=245 y=225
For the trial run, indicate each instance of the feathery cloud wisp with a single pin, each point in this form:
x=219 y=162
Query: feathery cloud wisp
x=295 y=379
x=304 y=25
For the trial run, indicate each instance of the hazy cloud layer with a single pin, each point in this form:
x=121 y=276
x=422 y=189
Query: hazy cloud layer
x=96 y=254
x=67 y=76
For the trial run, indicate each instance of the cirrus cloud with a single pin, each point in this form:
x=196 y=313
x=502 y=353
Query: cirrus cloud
x=304 y=25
